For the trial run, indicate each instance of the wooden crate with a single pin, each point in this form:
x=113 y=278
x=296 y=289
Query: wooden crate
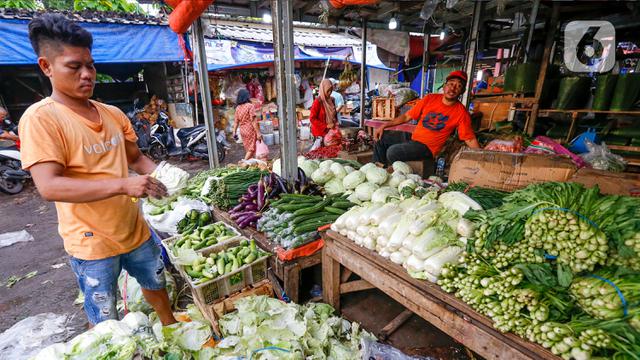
x=213 y=312
x=361 y=157
x=383 y=108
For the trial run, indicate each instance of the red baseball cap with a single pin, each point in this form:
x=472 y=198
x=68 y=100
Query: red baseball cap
x=458 y=74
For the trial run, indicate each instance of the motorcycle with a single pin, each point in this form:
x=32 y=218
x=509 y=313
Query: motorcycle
x=162 y=142
x=12 y=177
x=193 y=142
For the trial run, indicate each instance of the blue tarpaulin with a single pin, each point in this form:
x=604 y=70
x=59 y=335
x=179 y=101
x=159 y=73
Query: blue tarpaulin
x=112 y=43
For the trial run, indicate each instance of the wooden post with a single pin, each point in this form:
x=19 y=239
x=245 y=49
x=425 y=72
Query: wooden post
x=572 y=128
x=551 y=32
x=330 y=278
x=292 y=282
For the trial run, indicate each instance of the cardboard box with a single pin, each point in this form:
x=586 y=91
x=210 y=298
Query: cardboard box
x=508 y=171
x=609 y=182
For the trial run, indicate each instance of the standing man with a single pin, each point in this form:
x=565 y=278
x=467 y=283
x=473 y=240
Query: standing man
x=438 y=115
x=79 y=152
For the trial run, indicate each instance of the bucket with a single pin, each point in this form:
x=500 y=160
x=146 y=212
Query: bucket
x=276 y=137
x=268 y=139
x=305 y=133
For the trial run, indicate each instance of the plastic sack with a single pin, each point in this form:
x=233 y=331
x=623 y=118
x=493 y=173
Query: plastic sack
x=304 y=250
x=513 y=146
x=11 y=238
x=601 y=158
x=545 y=142
x=333 y=137
x=262 y=150
x=168 y=222
x=373 y=350
x=428 y=8
x=27 y=337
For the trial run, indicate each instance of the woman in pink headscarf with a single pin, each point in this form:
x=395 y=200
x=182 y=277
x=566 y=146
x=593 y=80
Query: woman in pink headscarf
x=323 y=114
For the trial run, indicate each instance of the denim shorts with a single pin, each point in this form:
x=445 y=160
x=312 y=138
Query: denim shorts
x=98 y=279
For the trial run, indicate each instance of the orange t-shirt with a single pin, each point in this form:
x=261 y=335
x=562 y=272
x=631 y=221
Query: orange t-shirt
x=51 y=132
x=436 y=122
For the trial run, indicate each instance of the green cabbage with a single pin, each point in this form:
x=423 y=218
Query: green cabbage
x=376 y=175
x=352 y=180
x=364 y=191
x=308 y=166
x=402 y=167
x=321 y=176
x=338 y=170
x=334 y=186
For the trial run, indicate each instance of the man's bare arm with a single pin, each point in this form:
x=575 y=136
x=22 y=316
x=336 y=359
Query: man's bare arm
x=53 y=186
x=473 y=143
x=138 y=162
x=377 y=133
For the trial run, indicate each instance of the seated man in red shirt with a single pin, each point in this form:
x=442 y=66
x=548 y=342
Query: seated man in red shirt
x=438 y=115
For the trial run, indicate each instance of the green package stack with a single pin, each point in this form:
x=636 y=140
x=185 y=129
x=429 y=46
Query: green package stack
x=605 y=85
x=521 y=78
x=573 y=93
x=626 y=92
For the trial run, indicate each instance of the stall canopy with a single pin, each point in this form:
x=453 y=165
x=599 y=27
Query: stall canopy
x=112 y=43
x=233 y=47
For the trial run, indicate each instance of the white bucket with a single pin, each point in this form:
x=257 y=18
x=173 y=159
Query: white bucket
x=305 y=133
x=268 y=139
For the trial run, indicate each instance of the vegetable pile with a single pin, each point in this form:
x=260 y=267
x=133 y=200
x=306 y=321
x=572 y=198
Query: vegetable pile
x=215 y=264
x=556 y=263
x=267 y=328
x=421 y=234
x=294 y=220
x=268 y=189
x=203 y=237
x=136 y=336
x=226 y=191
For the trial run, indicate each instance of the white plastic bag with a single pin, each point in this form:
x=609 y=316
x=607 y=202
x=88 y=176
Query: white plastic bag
x=600 y=158
x=11 y=238
x=168 y=222
x=27 y=337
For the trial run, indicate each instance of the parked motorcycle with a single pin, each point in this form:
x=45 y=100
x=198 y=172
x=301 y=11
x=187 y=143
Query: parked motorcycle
x=193 y=142
x=12 y=177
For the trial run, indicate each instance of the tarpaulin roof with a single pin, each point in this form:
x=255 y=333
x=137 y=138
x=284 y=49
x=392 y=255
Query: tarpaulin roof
x=230 y=54
x=112 y=43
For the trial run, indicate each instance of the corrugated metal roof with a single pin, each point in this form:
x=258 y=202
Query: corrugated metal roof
x=264 y=34
x=88 y=16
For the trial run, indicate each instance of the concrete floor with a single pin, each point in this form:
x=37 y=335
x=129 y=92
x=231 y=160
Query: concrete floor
x=54 y=290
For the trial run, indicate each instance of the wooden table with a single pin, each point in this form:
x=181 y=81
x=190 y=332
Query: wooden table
x=286 y=271
x=423 y=298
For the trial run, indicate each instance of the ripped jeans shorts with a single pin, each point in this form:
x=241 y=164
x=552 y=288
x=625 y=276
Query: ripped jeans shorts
x=98 y=279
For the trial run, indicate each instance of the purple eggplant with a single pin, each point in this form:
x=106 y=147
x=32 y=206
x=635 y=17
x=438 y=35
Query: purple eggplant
x=248 y=220
x=238 y=207
x=252 y=207
x=283 y=188
x=260 y=200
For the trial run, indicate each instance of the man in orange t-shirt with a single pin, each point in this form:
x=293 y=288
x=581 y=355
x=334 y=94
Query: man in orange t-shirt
x=438 y=116
x=79 y=152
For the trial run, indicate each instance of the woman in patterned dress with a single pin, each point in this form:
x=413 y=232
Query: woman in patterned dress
x=245 y=118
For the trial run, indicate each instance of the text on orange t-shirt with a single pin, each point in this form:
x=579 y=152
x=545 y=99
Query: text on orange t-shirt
x=436 y=122
x=52 y=132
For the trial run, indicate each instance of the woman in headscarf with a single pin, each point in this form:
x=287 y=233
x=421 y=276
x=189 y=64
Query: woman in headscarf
x=245 y=119
x=323 y=114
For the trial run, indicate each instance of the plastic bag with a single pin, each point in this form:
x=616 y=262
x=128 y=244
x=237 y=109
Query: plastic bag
x=600 y=158
x=513 y=146
x=27 y=337
x=373 y=350
x=428 y=8
x=11 y=238
x=333 y=137
x=262 y=150
x=131 y=291
x=168 y=222
x=545 y=142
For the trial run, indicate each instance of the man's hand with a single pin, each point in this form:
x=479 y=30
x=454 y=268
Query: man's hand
x=377 y=133
x=143 y=186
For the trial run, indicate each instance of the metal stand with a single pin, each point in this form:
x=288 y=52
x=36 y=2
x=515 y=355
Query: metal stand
x=203 y=77
x=281 y=12
x=363 y=71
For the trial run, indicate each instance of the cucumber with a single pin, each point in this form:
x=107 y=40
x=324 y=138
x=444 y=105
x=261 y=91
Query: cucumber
x=301 y=218
x=313 y=209
x=342 y=204
x=194 y=274
x=334 y=210
x=228 y=268
x=250 y=258
x=306 y=228
x=325 y=219
x=220 y=265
